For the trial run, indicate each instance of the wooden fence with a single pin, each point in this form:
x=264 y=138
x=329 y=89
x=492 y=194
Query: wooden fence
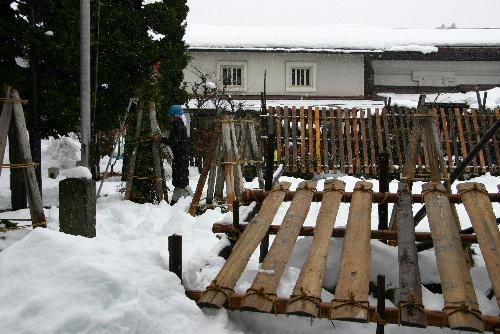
x=314 y=140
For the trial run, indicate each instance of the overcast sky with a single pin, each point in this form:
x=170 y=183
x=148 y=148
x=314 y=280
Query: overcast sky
x=382 y=13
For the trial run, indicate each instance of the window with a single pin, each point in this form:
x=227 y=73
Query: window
x=301 y=77
x=233 y=75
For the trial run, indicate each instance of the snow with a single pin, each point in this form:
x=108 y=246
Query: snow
x=78 y=172
x=119 y=281
x=334 y=38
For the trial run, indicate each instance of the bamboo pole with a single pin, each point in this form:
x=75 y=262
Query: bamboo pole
x=307 y=292
x=261 y=294
x=460 y=301
x=222 y=286
x=483 y=220
x=351 y=292
x=5 y=118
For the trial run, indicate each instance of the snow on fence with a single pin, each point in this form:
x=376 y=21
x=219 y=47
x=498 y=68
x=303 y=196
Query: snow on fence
x=314 y=140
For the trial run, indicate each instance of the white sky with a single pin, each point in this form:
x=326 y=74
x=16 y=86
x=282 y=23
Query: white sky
x=381 y=13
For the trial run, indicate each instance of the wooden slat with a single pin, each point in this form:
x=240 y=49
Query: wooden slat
x=458 y=292
x=494 y=115
x=477 y=133
x=229 y=159
x=454 y=139
x=366 y=163
x=5 y=118
x=468 y=137
x=333 y=140
x=357 y=152
x=463 y=147
x=238 y=175
x=318 y=139
x=311 y=139
x=378 y=123
x=403 y=131
x=341 y=140
x=286 y=139
x=351 y=292
x=397 y=137
x=388 y=139
x=373 y=159
x=302 y=141
x=482 y=217
x=260 y=295
x=294 y=140
x=256 y=155
x=348 y=136
x=483 y=121
x=222 y=286
x=324 y=128
x=307 y=292
x=34 y=196
x=446 y=134
x=410 y=290
x=278 y=134
x=209 y=167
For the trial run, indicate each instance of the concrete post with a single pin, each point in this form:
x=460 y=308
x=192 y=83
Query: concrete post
x=77 y=207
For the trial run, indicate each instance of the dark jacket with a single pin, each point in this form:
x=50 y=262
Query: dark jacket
x=178 y=141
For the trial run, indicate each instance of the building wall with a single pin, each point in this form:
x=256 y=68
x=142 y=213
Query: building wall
x=435 y=73
x=337 y=74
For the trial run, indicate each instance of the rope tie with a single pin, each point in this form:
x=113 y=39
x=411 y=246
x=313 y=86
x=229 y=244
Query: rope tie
x=460 y=307
x=351 y=301
x=270 y=296
x=10 y=100
x=153 y=178
x=306 y=186
x=20 y=165
x=475 y=187
x=411 y=304
x=434 y=188
x=304 y=296
x=214 y=286
x=335 y=188
x=280 y=188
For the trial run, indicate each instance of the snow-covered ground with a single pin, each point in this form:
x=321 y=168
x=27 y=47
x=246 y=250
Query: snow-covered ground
x=119 y=281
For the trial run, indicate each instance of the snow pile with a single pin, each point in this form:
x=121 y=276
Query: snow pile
x=411 y=100
x=64 y=152
x=334 y=38
x=77 y=172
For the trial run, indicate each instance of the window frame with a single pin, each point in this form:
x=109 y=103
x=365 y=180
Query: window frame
x=233 y=88
x=312 y=66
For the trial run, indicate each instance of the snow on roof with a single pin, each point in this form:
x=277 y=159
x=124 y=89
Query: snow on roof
x=335 y=38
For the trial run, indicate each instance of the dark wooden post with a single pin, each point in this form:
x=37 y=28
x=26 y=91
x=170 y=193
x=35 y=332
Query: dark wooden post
x=383 y=181
x=236 y=214
x=264 y=248
x=175 y=254
x=380 y=301
x=77 y=207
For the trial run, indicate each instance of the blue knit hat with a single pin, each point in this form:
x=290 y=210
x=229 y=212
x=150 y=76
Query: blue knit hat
x=175 y=110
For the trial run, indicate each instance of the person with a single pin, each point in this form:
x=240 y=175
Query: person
x=178 y=141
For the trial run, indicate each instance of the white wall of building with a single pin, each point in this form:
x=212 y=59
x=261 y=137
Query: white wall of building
x=436 y=73
x=336 y=74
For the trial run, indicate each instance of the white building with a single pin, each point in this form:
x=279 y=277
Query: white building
x=343 y=61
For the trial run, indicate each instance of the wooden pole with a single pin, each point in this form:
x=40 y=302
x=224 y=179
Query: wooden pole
x=175 y=254
x=5 y=118
x=158 y=180
x=380 y=302
x=133 y=157
x=391 y=314
x=34 y=196
x=410 y=291
x=383 y=170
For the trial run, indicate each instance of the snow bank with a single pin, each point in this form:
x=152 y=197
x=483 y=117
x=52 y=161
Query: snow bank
x=77 y=172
